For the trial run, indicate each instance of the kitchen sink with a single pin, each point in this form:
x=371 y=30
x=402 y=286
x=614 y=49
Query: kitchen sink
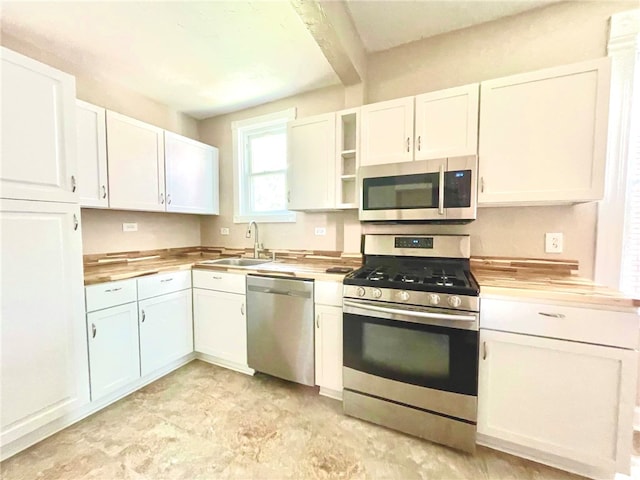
x=237 y=262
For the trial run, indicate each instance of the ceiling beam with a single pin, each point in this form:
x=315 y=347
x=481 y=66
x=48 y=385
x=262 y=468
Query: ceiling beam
x=331 y=26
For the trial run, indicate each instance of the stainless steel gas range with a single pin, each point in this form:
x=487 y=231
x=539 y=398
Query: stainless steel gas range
x=410 y=337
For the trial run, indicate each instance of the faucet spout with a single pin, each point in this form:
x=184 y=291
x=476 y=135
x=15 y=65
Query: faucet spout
x=256 y=245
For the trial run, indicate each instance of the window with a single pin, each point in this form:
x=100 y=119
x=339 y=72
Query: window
x=260 y=168
x=618 y=243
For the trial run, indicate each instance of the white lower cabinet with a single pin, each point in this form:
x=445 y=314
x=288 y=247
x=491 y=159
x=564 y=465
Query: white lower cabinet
x=329 y=349
x=560 y=402
x=166 y=329
x=328 y=337
x=114 y=359
x=219 y=318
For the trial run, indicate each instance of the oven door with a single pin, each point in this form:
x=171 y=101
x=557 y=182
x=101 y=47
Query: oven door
x=419 y=191
x=433 y=348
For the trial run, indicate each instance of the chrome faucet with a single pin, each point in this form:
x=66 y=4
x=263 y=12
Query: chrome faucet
x=256 y=245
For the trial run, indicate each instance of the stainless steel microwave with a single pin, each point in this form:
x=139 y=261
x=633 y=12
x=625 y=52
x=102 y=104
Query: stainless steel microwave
x=443 y=190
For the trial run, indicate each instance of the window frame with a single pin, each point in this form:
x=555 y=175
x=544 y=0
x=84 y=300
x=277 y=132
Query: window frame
x=241 y=177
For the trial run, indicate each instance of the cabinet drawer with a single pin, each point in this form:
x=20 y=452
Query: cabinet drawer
x=601 y=327
x=328 y=293
x=163 y=283
x=110 y=294
x=221 y=281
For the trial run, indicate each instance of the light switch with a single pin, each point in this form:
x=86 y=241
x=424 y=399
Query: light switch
x=224 y=231
x=321 y=231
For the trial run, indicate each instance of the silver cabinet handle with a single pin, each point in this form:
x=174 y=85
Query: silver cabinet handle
x=317 y=320
x=169 y=199
x=162 y=199
x=484 y=350
x=113 y=290
x=104 y=191
x=164 y=280
x=75 y=222
x=144 y=315
x=441 y=192
x=553 y=315
x=288 y=196
x=73 y=183
x=408 y=141
x=481 y=184
x=242 y=309
x=419 y=141
x=94 y=330
x=215 y=277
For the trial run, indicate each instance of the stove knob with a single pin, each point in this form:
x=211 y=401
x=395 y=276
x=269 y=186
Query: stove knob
x=404 y=295
x=434 y=299
x=454 y=301
x=377 y=293
x=361 y=291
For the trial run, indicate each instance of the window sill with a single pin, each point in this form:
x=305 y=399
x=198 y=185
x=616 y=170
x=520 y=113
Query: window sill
x=268 y=218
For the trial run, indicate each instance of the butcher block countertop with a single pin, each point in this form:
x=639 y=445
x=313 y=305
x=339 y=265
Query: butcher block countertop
x=303 y=264
x=544 y=280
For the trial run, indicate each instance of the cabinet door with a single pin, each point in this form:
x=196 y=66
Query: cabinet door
x=568 y=399
x=192 y=175
x=136 y=164
x=447 y=123
x=220 y=325
x=329 y=347
x=44 y=370
x=91 y=142
x=114 y=356
x=38 y=131
x=543 y=135
x=166 y=329
x=387 y=132
x=311 y=169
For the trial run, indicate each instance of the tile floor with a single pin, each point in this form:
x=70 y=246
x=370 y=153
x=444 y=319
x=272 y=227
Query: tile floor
x=206 y=422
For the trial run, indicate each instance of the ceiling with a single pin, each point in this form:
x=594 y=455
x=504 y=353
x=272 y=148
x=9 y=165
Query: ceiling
x=209 y=58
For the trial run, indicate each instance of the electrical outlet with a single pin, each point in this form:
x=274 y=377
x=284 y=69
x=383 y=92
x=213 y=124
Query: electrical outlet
x=129 y=227
x=224 y=231
x=553 y=242
x=321 y=231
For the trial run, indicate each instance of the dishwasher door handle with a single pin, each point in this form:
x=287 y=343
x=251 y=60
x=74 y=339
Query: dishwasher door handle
x=276 y=291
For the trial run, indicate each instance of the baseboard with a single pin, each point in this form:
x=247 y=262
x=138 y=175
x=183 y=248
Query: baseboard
x=61 y=423
x=225 y=363
x=328 y=392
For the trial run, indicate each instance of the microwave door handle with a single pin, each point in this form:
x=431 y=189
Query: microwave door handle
x=441 y=191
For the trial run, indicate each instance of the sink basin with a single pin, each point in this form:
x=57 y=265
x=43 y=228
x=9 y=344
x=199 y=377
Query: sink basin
x=237 y=262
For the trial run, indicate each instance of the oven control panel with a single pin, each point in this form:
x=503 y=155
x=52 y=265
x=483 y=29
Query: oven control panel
x=426 y=299
x=413 y=242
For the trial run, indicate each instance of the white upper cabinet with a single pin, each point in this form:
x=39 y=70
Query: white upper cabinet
x=311 y=169
x=44 y=371
x=447 y=123
x=136 y=164
x=38 y=131
x=91 y=142
x=387 y=132
x=192 y=175
x=543 y=135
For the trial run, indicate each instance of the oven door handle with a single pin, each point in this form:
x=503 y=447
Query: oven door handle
x=411 y=313
x=441 y=191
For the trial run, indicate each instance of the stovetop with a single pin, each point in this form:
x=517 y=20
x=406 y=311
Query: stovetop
x=428 y=275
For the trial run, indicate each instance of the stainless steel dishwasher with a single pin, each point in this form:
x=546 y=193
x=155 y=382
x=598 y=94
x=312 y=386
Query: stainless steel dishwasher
x=280 y=329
